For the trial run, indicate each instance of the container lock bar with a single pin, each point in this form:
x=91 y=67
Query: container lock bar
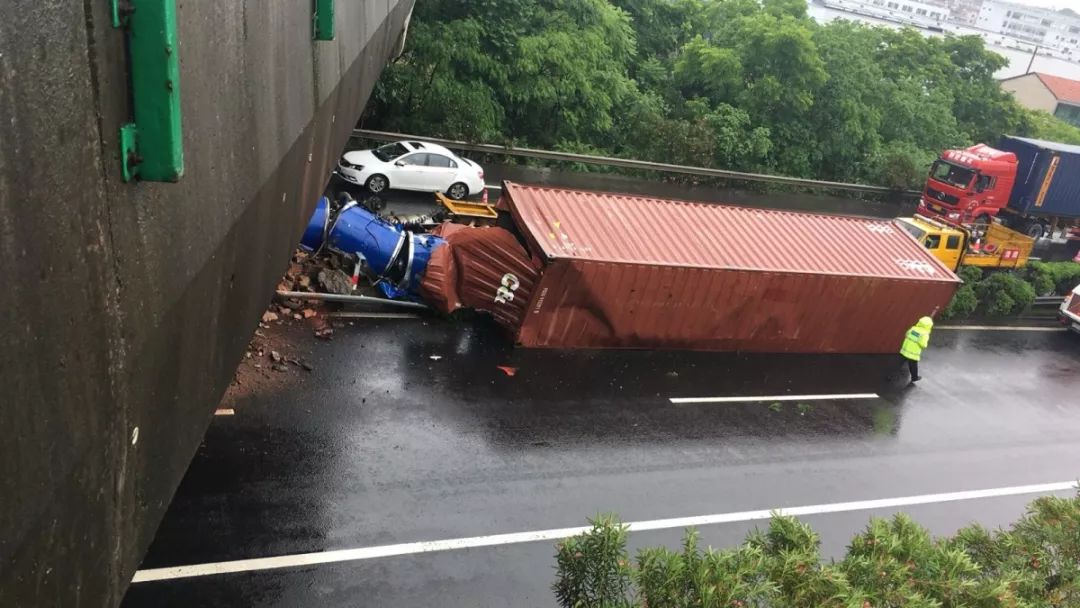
x=151 y=147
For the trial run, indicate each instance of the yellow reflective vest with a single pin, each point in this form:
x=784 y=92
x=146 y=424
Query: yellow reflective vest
x=915 y=341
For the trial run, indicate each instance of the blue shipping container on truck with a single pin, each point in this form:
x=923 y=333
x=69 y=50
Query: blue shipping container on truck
x=1047 y=177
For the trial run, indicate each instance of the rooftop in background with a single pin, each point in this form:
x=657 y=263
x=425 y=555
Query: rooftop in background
x=1065 y=89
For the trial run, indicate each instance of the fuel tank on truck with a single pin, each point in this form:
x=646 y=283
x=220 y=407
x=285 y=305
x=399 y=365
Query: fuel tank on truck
x=599 y=270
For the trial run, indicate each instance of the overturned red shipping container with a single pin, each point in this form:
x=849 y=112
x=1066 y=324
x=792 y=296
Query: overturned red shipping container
x=599 y=270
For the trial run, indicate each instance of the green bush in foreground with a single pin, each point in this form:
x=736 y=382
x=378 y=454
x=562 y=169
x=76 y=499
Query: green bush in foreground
x=1049 y=278
x=963 y=303
x=892 y=563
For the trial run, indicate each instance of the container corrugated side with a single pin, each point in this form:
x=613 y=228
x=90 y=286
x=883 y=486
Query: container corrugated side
x=632 y=272
x=593 y=304
x=485 y=269
x=1048 y=178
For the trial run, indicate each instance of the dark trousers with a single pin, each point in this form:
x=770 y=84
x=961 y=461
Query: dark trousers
x=912 y=365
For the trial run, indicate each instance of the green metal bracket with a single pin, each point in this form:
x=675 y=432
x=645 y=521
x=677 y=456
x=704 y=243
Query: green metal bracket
x=152 y=147
x=324 y=19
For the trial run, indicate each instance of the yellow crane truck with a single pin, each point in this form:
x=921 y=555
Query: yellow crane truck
x=996 y=246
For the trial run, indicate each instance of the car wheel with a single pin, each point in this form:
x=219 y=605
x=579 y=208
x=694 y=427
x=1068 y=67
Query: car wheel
x=377 y=184
x=458 y=191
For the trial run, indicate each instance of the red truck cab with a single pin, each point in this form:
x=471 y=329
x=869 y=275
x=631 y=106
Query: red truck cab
x=970 y=185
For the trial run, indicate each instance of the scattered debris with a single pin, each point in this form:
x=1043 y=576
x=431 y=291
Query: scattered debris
x=277 y=367
x=225 y=411
x=336 y=281
x=269 y=316
x=308 y=313
x=435 y=357
x=672 y=374
x=506 y=369
x=776 y=406
x=276 y=356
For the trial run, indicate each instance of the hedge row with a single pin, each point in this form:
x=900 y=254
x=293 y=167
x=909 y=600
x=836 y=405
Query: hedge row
x=999 y=294
x=892 y=563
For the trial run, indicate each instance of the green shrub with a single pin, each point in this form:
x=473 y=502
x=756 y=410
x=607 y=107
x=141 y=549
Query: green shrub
x=970 y=274
x=594 y=568
x=1050 y=278
x=893 y=562
x=963 y=303
x=1004 y=293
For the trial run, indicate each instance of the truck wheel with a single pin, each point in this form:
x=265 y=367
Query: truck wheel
x=1035 y=230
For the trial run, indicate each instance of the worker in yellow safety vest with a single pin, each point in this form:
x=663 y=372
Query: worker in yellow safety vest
x=916 y=339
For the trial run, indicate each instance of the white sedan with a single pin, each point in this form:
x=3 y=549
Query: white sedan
x=412 y=165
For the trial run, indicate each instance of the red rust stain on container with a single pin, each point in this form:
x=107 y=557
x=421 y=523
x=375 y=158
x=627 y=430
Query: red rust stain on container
x=624 y=271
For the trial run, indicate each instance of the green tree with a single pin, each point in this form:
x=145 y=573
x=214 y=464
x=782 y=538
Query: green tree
x=739 y=84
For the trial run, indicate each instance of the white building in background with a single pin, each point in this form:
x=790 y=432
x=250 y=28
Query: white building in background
x=1056 y=31
x=919 y=13
x=965 y=12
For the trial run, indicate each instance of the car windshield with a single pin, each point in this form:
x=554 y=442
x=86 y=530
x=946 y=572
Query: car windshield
x=951 y=174
x=389 y=152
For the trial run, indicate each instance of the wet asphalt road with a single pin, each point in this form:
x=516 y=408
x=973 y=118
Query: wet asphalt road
x=381 y=444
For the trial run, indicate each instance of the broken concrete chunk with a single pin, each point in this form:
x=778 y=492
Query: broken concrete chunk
x=308 y=313
x=335 y=281
x=269 y=316
x=276 y=356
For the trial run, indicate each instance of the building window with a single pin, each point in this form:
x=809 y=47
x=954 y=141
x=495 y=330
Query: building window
x=1074 y=30
x=1068 y=113
x=893 y=5
x=921 y=11
x=907 y=8
x=1047 y=23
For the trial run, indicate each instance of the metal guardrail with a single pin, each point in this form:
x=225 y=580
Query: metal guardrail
x=629 y=163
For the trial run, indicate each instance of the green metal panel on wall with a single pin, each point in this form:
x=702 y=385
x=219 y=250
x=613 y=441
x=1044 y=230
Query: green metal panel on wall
x=152 y=145
x=324 y=19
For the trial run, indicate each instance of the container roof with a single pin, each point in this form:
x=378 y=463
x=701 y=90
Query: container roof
x=1047 y=145
x=633 y=229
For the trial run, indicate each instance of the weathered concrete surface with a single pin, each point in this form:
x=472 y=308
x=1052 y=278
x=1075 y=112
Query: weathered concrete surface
x=127 y=306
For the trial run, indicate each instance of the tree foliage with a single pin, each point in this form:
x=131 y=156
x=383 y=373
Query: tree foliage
x=750 y=85
x=892 y=562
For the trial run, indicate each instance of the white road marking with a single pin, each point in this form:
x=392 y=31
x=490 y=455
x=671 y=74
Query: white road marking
x=684 y=400
x=365 y=553
x=999 y=328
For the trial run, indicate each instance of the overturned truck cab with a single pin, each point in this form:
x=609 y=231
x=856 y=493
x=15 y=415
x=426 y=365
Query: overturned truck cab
x=579 y=269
